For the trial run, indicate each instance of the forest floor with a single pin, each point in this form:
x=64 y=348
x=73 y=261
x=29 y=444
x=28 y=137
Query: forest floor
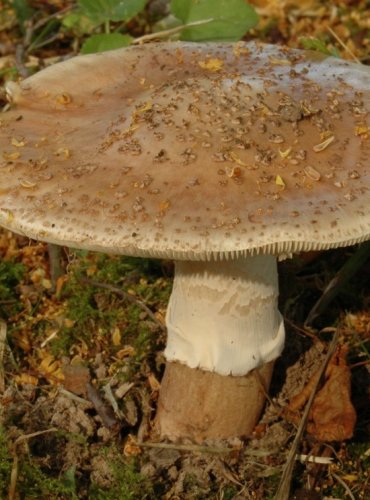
x=81 y=354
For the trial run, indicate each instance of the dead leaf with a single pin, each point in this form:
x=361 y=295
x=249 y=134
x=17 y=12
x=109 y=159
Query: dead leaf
x=127 y=351
x=332 y=416
x=279 y=181
x=76 y=378
x=21 y=339
x=61 y=281
x=131 y=448
x=26 y=379
x=153 y=382
x=50 y=369
x=116 y=336
x=123 y=389
x=131 y=412
x=212 y=64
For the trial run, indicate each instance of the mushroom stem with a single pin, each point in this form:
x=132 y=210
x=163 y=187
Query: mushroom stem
x=198 y=405
x=223 y=317
x=223 y=324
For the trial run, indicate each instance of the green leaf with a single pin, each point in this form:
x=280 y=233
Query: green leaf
x=69 y=479
x=311 y=43
x=108 y=41
x=100 y=11
x=229 y=19
x=23 y=11
x=78 y=23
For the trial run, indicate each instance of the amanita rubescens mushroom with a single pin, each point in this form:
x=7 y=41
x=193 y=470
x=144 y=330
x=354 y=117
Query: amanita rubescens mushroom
x=219 y=156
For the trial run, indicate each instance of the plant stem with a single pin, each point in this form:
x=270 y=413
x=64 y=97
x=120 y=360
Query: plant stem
x=344 y=274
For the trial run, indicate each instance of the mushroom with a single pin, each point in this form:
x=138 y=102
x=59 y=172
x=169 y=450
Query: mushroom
x=223 y=157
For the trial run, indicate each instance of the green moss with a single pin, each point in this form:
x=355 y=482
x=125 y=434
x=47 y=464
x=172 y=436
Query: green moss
x=32 y=481
x=95 y=311
x=229 y=493
x=11 y=273
x=127 y=483
x=5 y=463
x=35 y=483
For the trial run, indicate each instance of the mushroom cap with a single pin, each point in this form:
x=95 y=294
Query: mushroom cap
x=190 y=151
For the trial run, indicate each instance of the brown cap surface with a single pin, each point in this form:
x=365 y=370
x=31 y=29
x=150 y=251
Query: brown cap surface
x=190 y=151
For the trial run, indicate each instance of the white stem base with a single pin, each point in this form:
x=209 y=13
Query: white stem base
x=222 y=316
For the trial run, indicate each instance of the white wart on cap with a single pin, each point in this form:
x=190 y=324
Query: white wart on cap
x=190 y=151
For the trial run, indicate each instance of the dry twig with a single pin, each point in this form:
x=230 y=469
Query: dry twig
x=286 y=478
x=167 y=33
x=345 y=47
x=104 y=411
x=353 y=264
x=2 y=350
x=345 y=485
